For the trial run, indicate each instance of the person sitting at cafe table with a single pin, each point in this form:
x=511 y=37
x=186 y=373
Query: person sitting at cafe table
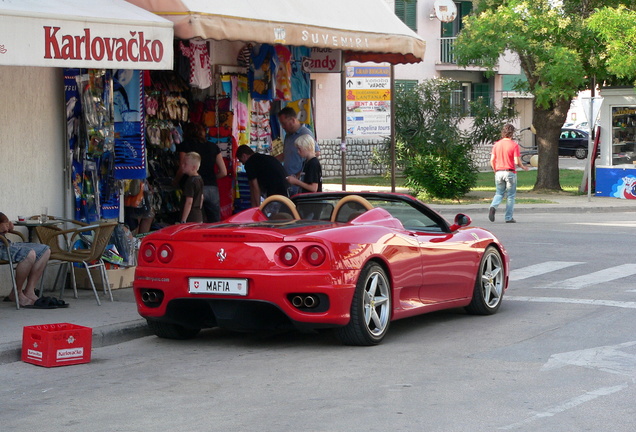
x=31 y=258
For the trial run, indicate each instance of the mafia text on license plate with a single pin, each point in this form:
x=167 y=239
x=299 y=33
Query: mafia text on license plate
x=218 y=286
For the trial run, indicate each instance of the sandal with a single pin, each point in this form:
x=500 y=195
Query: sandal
x=41 y=303
x=58 y=302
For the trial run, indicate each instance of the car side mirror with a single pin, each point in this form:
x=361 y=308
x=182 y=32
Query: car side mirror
x=461 y=220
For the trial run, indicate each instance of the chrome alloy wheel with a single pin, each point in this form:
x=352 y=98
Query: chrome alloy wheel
x=377 y=303
x=492 y=283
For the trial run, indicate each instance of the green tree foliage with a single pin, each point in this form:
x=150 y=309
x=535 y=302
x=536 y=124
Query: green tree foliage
x=487 y=122
x=431 y=148
x=616 y=28
x=557 y=51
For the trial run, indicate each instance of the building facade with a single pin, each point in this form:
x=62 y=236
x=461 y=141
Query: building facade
x=439 y=62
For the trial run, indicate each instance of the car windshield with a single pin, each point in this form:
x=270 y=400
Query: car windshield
x=572 y=134
x=412 y=218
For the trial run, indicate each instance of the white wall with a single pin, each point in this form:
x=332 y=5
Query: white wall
x=328 y=105
x=31 y=140
x=430 y=31
x=31 y=145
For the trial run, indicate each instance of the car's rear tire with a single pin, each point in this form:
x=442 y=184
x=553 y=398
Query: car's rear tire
x=370 y=309
x=580 y=153
x=172 y=331
x=489 y=284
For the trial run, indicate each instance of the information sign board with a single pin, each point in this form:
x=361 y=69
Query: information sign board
x=368 y=100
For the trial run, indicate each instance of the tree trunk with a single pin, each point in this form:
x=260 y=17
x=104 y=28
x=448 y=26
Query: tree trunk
x=548 y=123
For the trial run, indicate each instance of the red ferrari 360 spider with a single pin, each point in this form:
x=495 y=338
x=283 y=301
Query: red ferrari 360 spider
x=324 y=260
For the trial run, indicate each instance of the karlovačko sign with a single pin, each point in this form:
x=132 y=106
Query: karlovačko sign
x=37 y=41
x=136 y=48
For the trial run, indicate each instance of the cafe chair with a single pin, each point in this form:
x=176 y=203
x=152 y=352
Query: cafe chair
x=64 y=251
x=11 y=264
x=37 y=217
x=57 y=220
x=51 y=220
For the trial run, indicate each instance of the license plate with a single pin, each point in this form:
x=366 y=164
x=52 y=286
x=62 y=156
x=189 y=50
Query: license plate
x=222 y=286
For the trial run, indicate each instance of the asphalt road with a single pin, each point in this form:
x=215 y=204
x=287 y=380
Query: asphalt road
x=559 y=356
x=572 y=163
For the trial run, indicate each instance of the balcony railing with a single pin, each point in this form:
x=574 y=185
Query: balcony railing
x=447 y=51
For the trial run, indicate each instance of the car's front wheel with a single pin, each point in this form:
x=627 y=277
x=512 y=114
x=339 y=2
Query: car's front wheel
x=172 y=331
x=580 y=153
x=489 y=284
x=370 y=309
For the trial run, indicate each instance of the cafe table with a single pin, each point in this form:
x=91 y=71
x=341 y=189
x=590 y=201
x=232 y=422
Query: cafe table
x=30 y=224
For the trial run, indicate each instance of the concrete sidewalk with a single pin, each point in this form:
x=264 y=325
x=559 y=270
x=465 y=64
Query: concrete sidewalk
x=112 y=322
x=559 y=203
x=118 y=321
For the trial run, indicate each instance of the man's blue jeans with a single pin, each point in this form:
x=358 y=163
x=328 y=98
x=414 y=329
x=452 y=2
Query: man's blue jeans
x=505 y=182
x=211 y=203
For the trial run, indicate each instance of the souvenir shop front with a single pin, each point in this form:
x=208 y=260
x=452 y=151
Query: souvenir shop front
x=236 y=68
x=38 y=39
x=126 y=127
x=124 y=118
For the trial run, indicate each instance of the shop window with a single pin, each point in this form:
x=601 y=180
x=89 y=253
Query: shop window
x=624 y=135
x=407 y=12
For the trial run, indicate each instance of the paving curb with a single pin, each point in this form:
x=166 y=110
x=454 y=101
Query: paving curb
x=111 y=334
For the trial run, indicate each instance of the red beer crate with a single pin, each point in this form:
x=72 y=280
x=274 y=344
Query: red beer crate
x=60 y=344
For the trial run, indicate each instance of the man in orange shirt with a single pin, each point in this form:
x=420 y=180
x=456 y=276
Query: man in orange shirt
x=504 y=160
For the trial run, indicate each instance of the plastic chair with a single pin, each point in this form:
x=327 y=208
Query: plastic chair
x=11 y=264
x=62 y=250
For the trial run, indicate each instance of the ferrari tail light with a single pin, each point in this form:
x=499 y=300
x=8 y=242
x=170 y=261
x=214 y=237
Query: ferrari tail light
x=148 y=252
x=165 y=253
x=288 y=255
x=315 y=255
